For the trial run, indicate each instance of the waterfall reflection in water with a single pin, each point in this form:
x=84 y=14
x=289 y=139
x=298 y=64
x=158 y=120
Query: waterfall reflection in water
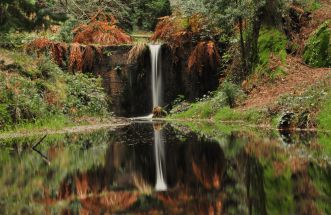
x=159 y=161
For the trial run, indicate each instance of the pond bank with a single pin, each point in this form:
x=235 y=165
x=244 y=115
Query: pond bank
x=112 y=123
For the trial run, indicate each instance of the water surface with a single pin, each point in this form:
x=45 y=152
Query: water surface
x=156 y=168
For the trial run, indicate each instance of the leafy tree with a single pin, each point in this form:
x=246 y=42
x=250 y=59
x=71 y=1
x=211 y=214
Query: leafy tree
x=146 y=12
x=84 y=10
x=26 y=14
x=243 y=16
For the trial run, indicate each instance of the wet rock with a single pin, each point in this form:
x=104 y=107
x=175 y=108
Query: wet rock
x=286 y=121
x=159 y=112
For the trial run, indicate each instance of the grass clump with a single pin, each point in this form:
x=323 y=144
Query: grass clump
x=317 y=51
x=219 y=106
x=324 y=117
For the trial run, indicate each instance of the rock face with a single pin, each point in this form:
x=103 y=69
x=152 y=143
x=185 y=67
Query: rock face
x=129 y=84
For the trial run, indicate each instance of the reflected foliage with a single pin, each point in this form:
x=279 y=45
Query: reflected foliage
x=230 y=172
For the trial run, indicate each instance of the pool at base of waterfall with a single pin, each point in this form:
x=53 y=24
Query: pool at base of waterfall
x=160 y=168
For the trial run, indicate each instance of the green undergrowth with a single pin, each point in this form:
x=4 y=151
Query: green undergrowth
x=55 y=122
x=324 y=116
x=310 y=5
x=310 y=109
x=37 y=93
x=317 y=51
x=219 y=106
x=272 y=53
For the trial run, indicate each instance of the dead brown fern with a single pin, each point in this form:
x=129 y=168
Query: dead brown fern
x=136 y=51
x=39 y=45
x=76 y=57
x=59 y=51
x=204 y=54
x=45 y=46
x=100 y=32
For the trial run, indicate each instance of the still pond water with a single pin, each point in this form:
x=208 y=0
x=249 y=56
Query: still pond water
x=156 y=168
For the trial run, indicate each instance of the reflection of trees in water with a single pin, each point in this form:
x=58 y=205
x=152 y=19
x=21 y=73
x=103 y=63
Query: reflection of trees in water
x=201 y=178
x=194 y=166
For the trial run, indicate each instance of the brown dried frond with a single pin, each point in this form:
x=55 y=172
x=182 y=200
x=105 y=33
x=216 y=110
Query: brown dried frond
x=195 y=59
x=101 y=32
x=59 y=51
x=39 y=45
x=76 y=57
x=42 y=46
x=170 y=28
x=136 y=51
x=205 y=53
x=196 y=23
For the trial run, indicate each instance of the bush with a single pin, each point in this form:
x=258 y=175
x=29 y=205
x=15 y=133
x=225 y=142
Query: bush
x=66 y=33
x=85 y=95
x=20 y=99
x=271 y=41
x=146 y=12
x=49 y=94
x=317 y=51
x=232 y=93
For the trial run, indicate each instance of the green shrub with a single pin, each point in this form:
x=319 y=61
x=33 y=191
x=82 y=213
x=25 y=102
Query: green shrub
x=324 y=116
x=272 y=41
x=317 y=51
x=85 y=95
x=49 y=70
x=272 y=45
x=310 y=5
x=66 y=33
x=20 y=97
x=48 y=94
x=16 y=39
x=146 y=12
x=232 y=93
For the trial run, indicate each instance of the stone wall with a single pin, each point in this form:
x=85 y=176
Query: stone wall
x=129 y=85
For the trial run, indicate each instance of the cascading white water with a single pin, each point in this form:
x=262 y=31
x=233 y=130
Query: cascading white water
x=159 y=161
x=157 y=101
x=156 y=74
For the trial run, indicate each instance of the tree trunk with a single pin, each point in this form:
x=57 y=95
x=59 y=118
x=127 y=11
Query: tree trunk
x=253 y=48
x=243 y=49
x=2 y=14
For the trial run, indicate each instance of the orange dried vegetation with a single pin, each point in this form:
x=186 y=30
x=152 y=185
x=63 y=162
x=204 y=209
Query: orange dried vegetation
x=76 y=57
x=178 y=29
x=42 y=45
x=172 y=29
x=205 y=53
x=101 y=32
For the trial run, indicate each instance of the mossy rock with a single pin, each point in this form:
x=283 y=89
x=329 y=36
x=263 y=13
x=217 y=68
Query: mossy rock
x=317 y=51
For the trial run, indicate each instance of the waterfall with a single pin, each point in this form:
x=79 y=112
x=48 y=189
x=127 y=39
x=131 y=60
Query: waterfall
x=157 y=101
x=159 y=161
x=156 y=74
